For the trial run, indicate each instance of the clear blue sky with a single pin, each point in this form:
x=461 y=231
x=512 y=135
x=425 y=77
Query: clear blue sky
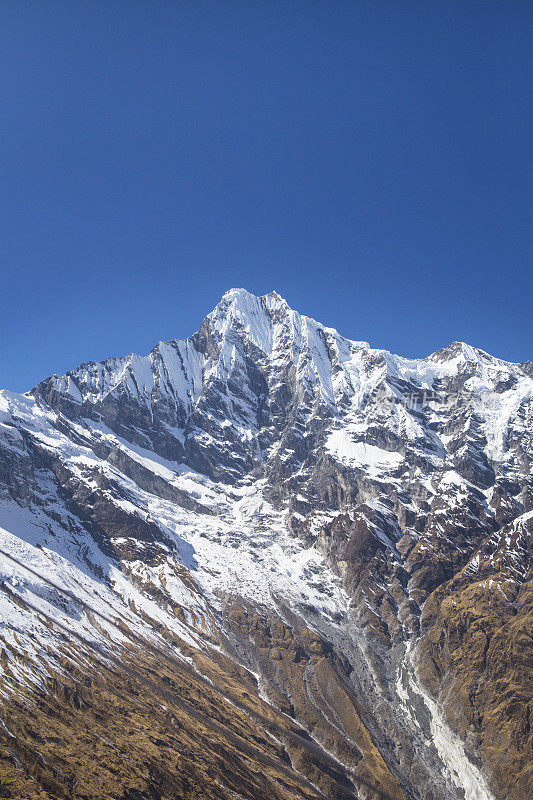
x=370 y=160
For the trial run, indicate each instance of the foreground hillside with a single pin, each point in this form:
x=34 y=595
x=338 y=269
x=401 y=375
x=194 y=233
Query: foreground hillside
x=268 y=562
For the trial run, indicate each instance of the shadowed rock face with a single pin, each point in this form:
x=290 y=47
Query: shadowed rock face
x=267 y=561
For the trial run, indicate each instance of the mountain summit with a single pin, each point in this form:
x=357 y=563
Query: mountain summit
x=268 y=561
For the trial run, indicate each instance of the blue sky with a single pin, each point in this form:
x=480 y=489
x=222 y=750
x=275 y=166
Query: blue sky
x=371 y=161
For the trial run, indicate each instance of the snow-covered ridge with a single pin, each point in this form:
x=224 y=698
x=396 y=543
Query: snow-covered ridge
x=335 y=365
x=247 y=393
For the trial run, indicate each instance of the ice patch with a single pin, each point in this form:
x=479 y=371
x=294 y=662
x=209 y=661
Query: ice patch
x=459 y=771
x=360 y=454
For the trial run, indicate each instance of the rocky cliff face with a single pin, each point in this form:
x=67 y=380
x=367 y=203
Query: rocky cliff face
x=271 y=562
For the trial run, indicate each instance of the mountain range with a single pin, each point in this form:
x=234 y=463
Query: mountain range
x=267 y=562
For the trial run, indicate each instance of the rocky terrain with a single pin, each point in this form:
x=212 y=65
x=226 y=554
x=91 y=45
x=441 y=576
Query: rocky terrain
x=268 y=562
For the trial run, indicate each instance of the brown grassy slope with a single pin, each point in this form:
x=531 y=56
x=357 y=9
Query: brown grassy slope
x=476 y=655
x=146 y=725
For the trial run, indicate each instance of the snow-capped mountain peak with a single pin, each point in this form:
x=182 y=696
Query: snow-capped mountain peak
x=346 y=530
